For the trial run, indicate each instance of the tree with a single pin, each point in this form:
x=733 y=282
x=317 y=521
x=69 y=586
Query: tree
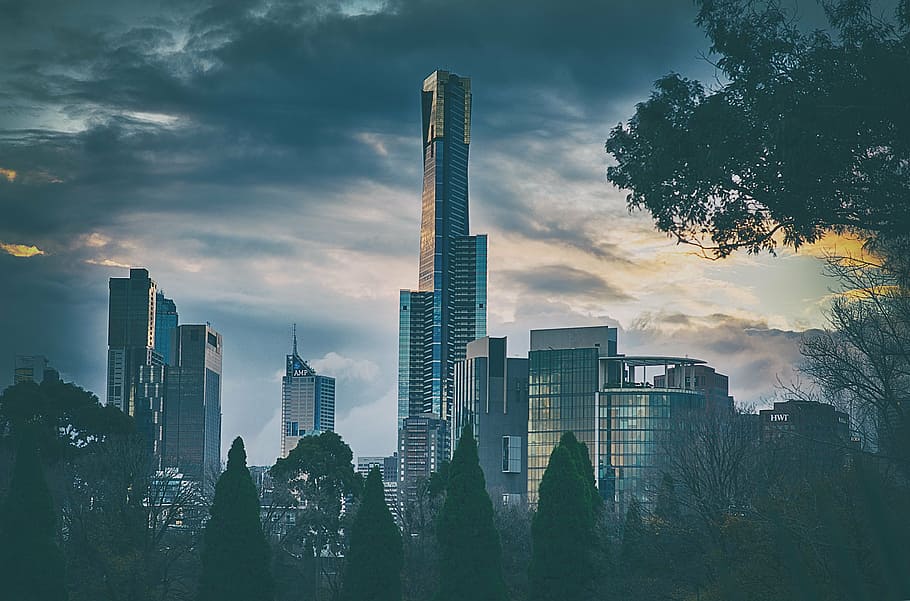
x=563 y=530
x=808 y=134
x=312 y=483
x=374 y=557
x=469 y=550
x=235 y=554
x=31 y=564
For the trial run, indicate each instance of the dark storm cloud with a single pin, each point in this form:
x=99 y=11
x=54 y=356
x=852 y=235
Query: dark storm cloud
x=234 y=147
x=563 y=280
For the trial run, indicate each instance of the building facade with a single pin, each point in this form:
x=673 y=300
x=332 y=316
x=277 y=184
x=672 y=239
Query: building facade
x=448 y=309
x=307 y=402
x=491 y=395
x=713 y=385
x=192 y=429
x=810 y=434
x=166 y=320
x=563 y=383
x=422 y=447
x=134 y=367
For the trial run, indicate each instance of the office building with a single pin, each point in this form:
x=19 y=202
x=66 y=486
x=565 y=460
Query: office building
x=132 y=355
x=192 y=431
x=714 y=386
x=491 y=395
x=33 y=368
x=422 y=445
x=636 y=418
x=563 y=384
x=448 y=309
x=388 y=466
x=165 y=325
x=809 y=435
x=307 y=401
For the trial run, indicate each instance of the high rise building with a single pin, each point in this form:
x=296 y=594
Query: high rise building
x=33 y=368
x=388 y=466
x=135 y=370
x=307 y=402
x=165 y=325
x=448 y=309
x=491 y=394
x=422 y=447
x=192 y=432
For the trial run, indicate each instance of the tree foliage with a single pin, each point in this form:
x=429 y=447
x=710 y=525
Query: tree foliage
x=563 y=528
x=470 y=556
x=31 y=564
x=374 y=557
x=808 y=133
x=235 y=554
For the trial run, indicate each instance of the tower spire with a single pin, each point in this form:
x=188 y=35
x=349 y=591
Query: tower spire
x=295 y=338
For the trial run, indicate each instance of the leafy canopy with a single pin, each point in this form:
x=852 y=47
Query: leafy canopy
x=808 y=134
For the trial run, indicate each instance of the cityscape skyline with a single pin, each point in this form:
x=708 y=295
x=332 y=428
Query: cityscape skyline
x=563 y=252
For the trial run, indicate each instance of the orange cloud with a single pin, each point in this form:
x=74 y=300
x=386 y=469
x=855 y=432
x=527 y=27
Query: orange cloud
x=21 y=250
x=841 y=245
x=9 y=174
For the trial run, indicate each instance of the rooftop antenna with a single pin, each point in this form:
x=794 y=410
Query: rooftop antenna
x=295 y=339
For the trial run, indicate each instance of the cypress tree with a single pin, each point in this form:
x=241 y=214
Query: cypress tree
x=235 y=554
x=584 y=466
x=374 y=558
x=469 y=551
x=562 y=561
x=31 y=563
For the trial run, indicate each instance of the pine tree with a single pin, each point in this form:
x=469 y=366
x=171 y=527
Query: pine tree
x=31 y=564
x=469 y=549
x=562 y=565
x=584 y=466
x=374 y=557
x=235 y=553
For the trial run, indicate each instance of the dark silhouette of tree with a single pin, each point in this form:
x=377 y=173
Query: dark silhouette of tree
x=31 y=564
x=374 y=557
x=469 y=549
x=808 y=134
x=235 y=554
x=311 y=483
x=563 y=530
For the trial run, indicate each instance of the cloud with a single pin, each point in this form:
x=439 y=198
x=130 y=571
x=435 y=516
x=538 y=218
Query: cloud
x=8 y=174
x=21 y=250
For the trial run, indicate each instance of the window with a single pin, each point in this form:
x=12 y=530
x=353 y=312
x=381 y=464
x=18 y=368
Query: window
x=511 y=454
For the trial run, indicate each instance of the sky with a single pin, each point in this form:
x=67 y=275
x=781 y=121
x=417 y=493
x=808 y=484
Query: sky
x=262 y=160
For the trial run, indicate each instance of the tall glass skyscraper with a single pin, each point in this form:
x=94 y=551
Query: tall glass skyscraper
x=448 y=309
x=165 y=325
x=192 y=430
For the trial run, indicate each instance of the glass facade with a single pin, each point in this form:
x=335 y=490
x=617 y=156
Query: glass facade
x=165 y=323
x=562 y=397
x=639 y=421
x=192 y=419
x=448 y=309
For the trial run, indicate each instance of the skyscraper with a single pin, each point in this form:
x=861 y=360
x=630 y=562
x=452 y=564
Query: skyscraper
x=135 y=370
x=165 y=325
x=33 y=368
x=192 y=432
x=307 y=402
x=448 y=309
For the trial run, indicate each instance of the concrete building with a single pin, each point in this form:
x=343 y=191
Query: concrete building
x=388 y=466
x=713 y=385
x=422 y=447
x=491 y=395
x=307 y=401
x=192 y=432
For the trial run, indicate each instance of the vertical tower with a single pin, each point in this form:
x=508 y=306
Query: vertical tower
x=448 y=309
x=165 y=324
x=135 y=371
x=307 y=401
x=192 y=434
